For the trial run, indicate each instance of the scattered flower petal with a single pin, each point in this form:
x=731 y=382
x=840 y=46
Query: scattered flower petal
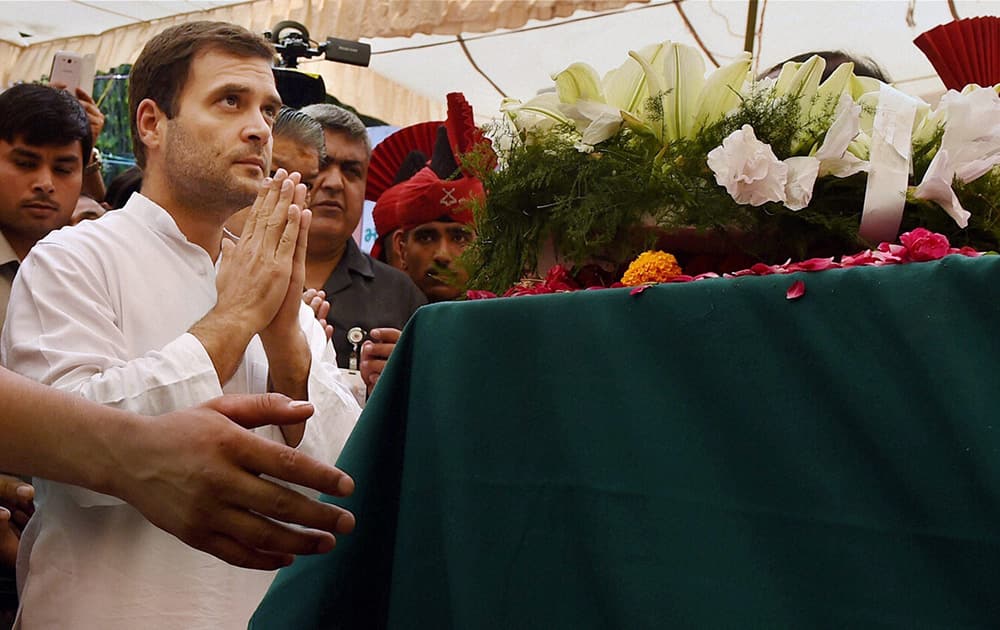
x=797 y=290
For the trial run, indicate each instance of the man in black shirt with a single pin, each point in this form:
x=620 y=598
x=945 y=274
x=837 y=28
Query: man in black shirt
x=363 y=293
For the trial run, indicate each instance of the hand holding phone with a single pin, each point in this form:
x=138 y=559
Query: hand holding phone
x=73 y=71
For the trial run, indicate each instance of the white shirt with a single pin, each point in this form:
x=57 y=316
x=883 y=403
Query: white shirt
x=102 y=309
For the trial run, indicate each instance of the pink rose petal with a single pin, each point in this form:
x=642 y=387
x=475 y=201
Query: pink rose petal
x=639 y=289
x=797 y=290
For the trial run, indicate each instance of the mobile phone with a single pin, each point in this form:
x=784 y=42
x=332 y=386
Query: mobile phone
x=73 y=70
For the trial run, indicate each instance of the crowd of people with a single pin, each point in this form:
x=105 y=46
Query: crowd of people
x=196 y=404
x=208 y=341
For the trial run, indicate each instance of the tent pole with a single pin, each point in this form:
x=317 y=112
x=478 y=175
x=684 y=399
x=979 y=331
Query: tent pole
x=751 y=26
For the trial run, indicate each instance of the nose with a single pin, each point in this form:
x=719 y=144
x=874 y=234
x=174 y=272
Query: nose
x=330 y=179
x=44 y=181
x=444 y=253
x=257 y=128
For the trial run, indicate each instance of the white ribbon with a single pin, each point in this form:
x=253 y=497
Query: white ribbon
x=889 y=165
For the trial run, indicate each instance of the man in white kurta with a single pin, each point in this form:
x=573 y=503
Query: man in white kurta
x=101 y=309
x=146 y=310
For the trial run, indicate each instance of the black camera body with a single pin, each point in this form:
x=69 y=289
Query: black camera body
x=291 y=42
x=347 y=51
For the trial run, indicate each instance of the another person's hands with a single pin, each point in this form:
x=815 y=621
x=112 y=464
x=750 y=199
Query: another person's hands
x=316 y=300
x=16 y=507
x=375 y=352
x=94 y=115
x=214 y=498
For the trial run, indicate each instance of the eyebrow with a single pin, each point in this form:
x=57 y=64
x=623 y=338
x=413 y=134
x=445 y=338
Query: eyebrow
x=327 y=161
x=27 y=153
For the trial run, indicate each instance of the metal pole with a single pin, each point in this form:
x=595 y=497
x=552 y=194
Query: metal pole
x=751 y=26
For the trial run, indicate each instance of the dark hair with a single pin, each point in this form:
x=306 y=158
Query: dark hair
x=122 y=187
x=44 y=116
x=163 y=66
x=863 y=66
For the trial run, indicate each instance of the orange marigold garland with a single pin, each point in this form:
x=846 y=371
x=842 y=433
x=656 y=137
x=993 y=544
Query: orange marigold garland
x=651 y=266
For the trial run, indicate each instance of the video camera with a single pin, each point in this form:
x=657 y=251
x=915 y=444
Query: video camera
x=291 y=41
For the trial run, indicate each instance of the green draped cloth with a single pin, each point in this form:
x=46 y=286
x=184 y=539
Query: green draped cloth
x=699 y=455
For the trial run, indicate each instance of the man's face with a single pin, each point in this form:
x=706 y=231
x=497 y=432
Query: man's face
x=338 y=195
x=428 y=254
x=295 y=157
x=217 y=148
x=39 y=186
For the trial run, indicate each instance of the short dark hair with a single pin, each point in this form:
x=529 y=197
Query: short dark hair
x=863 y=66
x=163 y=66
x=44 y=116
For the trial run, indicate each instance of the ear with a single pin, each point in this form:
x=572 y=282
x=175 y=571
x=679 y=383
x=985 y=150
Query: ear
x=397 y=246
x=150 y=123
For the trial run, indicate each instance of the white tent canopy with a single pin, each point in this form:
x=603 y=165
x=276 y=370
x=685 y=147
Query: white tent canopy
x=507 y=46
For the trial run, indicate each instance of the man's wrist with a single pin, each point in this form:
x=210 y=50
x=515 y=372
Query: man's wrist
x=289 y=362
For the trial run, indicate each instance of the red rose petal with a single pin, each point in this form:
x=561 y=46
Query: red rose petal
x=639 y=289
x=797 y=290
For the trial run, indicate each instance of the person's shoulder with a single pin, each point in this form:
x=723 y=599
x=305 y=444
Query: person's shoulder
x=387 y=273
x=95 y=231
x=97 y=241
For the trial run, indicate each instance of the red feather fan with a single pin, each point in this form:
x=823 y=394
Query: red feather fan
x=964 y=51
x=388 y=155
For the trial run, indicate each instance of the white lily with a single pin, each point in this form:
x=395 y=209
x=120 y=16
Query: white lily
x=578 y=81
x=800 y=80
x=802 y=173
x=721 y=93
x=602 y=120
x=538 y=114
x=833 y=154
x=819 y=100
x=625 y=87
x=970 y=147
x=675 y=83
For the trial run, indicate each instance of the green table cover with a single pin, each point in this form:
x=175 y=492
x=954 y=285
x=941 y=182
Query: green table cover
x=700 y=455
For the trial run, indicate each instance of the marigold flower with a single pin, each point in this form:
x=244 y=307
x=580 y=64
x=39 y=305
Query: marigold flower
x=651 y=266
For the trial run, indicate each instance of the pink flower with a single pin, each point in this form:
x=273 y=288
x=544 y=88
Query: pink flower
x=921 y=244
x=813 y=264
x=971 y=252
x=558 y=279
x=860 y=259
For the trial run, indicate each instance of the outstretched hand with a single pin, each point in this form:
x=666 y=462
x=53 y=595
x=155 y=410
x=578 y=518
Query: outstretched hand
x=214 y=498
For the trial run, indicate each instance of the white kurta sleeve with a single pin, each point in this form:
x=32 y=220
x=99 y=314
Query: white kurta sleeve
x=62 y=330
x=336 y=409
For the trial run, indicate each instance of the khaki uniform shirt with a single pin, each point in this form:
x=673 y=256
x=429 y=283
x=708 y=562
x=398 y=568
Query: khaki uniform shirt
x=8 y=267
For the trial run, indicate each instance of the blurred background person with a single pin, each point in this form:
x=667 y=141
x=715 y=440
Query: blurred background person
x=87 y=209
x=363 y=293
